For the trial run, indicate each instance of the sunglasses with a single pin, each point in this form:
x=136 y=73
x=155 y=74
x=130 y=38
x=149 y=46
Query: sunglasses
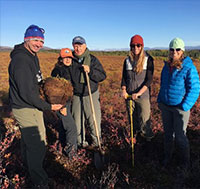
x=136 y=45
x=172 y=50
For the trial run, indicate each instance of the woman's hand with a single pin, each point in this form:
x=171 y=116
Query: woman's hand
x=56 y=107
x=124 y=94
x=63 y=111
x=136 y=96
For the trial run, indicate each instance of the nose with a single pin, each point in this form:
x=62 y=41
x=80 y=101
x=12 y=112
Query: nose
x=39 y=43
x=78 y=48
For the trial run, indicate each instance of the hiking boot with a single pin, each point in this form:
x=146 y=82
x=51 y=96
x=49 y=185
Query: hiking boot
x=85 y=145
x=165 y=163
x=70 y=152
x=92 y=147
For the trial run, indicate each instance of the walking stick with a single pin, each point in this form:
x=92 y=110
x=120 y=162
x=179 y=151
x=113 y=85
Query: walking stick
x=93 y=114
x=131 y=119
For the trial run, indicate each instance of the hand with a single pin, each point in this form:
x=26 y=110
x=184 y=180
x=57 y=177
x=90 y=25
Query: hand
x=86 y=68
x=135 y=96
x=124 y=94
x=56 y=107
x=63 y=111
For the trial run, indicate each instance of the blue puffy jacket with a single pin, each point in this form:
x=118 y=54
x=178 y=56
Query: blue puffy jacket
x=180 y=87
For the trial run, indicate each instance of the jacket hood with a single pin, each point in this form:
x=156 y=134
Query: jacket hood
x=19 y=49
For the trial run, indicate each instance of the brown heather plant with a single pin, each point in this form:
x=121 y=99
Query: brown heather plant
x=117 y=171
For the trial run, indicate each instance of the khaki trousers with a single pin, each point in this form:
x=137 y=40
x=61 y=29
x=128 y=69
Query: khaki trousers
x=141 y=116
x=81 y=111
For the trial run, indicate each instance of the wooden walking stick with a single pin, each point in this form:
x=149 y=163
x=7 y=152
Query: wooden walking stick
x=131 y=120
x=132 y=138
x=99 y=158
x=93 y=112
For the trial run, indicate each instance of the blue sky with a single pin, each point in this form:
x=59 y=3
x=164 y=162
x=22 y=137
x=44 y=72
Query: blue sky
x=105 y=24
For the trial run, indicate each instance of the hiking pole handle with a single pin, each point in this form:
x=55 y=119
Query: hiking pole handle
x=129 y=96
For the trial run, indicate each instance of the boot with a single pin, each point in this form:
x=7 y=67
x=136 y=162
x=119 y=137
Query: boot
x=185 y=158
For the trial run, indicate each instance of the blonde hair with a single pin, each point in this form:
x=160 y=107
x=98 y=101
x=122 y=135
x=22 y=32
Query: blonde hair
x=139 y=61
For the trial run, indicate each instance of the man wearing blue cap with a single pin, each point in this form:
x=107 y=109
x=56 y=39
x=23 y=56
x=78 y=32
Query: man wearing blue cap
x=24 y=79
x=85 y=62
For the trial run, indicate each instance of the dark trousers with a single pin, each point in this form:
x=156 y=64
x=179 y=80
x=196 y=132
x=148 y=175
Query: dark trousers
x=175 y=123
x=68 y=130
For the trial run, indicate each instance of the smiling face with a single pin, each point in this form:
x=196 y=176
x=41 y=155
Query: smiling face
x=79 y=49
x=67 y=61
x=175 y=54
x=33 y=46
x=136 y=49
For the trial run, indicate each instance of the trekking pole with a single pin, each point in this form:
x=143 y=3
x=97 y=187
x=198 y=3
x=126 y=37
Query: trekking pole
x=131 y=119
x=93 y=113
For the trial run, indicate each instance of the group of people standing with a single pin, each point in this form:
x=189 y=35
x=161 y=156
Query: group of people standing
x=179 y=91
x=25 y=78
x=73 y=66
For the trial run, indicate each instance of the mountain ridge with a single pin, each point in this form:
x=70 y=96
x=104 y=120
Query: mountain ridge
x=7 y=48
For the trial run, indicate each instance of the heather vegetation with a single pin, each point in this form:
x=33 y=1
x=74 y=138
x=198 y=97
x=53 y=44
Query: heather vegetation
x=194 y=54
x=117 y=171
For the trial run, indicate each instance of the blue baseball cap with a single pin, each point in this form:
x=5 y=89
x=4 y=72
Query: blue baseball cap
x=79 y=40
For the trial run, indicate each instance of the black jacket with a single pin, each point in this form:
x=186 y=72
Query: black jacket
x=73 y=72
x=24 y=79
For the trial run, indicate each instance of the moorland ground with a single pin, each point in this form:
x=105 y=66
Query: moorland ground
x=117 y=171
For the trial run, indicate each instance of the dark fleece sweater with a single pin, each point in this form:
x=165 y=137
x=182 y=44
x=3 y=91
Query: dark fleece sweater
x=24 y=79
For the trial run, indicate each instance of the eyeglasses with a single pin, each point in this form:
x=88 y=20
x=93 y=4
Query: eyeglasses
x=172 y=50
x=136 y=45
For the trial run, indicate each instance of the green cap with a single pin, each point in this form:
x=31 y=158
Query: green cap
x=177 y=43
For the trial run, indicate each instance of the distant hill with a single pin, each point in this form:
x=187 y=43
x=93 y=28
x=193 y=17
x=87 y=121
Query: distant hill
x=186 y=47
x=192 y=47
x=5 y=48
x=148 y=48
x=46 y=48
